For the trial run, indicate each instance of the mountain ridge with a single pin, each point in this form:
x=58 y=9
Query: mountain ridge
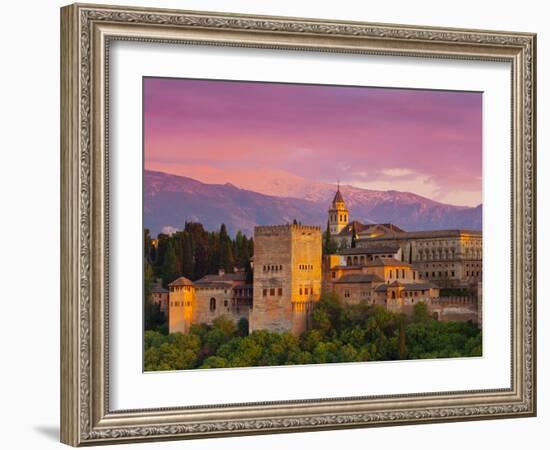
x=170 y=200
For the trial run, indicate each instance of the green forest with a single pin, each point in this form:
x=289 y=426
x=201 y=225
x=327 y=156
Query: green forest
x=194 y=252
x=338 y=333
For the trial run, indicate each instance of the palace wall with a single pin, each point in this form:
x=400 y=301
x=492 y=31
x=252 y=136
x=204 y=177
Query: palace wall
x=287 y=276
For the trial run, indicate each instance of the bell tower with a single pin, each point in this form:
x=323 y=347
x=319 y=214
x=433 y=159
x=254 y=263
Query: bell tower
x=338 y=216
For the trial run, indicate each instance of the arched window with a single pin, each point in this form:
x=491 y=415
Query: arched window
x=392 y=294
x=212 y=304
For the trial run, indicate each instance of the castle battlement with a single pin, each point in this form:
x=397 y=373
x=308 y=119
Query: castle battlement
x=270 y=229
x=455 y=300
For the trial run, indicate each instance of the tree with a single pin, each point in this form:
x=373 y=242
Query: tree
x=402 y=341
x=353 y=235
x=169 y=266
x=153 y=318
x=329 y=246
x=226 y=260
x=421 y=313
x=327 y=313
x=242 y=327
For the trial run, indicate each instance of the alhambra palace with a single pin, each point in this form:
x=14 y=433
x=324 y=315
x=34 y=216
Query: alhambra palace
x=379 y=264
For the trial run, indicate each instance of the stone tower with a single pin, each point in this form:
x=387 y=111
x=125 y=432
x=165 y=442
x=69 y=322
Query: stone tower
x=287 y=277
x=181 y=304
x=338 y=215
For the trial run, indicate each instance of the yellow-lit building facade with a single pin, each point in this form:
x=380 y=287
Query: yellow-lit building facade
x=287 y=276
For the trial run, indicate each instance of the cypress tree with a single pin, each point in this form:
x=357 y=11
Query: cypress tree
x=402 y=341
x=353 y=236
x=169 y=265
x=226 y=261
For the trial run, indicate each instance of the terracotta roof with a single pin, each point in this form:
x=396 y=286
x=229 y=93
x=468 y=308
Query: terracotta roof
x=240 y=276
x=181 y=281
x=387 y=262
x=346 y=267
x=368 y=228
x=419 y=286
x=406 y=286
x=369 y=250
x=210 y=285
x=359 y=278
x=158 y=289
x=423 y=235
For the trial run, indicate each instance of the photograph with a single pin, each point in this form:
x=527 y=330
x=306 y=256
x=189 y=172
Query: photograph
x=296 y=224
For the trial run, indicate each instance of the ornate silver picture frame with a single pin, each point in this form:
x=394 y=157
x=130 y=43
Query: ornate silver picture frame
x=87 y=32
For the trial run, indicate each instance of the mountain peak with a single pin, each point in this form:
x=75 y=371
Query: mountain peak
x=170 y=200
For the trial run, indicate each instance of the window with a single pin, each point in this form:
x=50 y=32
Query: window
x=300 y=291
x=306 y=291
x=391 y=273
x=402 y=273
x=264 y=292
x=225 y=303
x=333 y=274
x=212 y=304
x=346 y=294
x=272 y=292
x=280 y=292
x=453 y=273
x=414 y=275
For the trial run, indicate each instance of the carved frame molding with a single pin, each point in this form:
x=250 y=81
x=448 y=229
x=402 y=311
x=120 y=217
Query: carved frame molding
x=86 y=31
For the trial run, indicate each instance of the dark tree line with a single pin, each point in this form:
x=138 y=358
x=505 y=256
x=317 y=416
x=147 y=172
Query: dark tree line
x=195 y=252
x=339 y=333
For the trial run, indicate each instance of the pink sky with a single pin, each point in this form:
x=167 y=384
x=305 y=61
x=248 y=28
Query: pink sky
x=426 y=142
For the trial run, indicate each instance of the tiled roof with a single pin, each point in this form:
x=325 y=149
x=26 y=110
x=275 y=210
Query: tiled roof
x=419 y=286
x=422 y=235
x=181 y=281
x=359 y=278
x=406 y=286
x=369 y=250
x=387 y=262
x=210 y=285
x=338 y=197
x=158 y=289
x=369 y=228
x=239 y=276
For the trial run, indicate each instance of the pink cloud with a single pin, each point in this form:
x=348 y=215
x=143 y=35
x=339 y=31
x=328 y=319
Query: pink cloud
x=307 y=129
